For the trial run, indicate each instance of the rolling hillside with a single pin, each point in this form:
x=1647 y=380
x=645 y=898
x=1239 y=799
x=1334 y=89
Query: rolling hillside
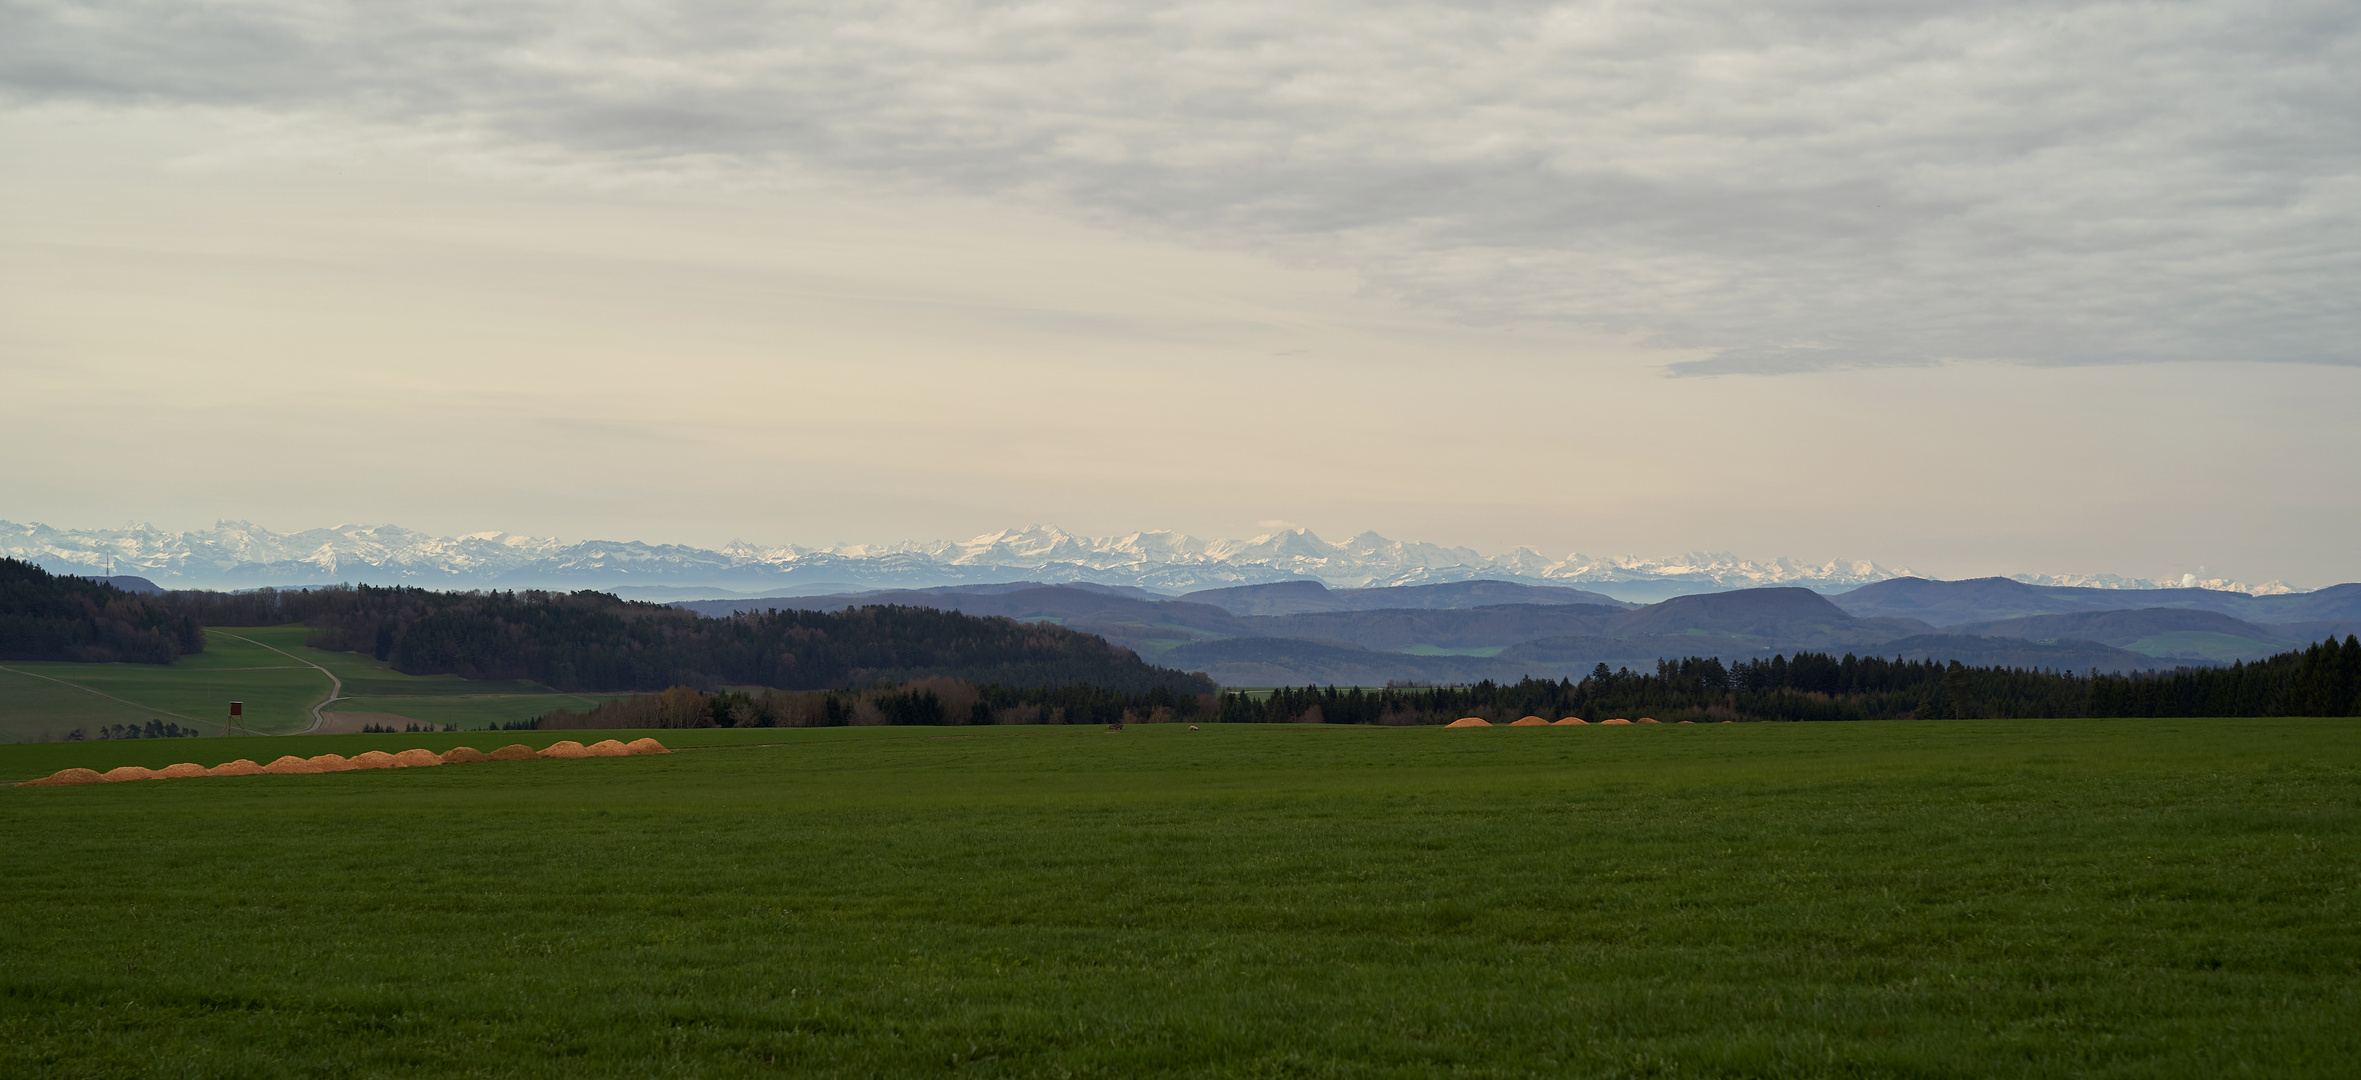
x=1980 y=600
x=273 y=673
x=1302 y=597
x=1419 y=633
x=2166 y=633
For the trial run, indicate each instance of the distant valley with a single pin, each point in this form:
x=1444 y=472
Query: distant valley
x=1294 y=633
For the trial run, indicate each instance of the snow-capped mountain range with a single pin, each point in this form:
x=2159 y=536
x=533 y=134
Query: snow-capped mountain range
x=237 y=555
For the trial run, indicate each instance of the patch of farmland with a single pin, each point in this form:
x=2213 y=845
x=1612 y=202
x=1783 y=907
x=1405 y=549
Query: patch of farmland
x=270 y=670
x=1956 y=898
x=33 y=707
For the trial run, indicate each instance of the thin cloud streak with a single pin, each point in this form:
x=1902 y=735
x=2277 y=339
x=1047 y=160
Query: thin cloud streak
x=1775 y=187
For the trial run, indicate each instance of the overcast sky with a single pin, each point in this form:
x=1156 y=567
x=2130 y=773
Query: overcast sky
x=1968 y=287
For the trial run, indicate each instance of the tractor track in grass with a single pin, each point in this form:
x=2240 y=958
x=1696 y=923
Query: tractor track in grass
x=108 y=696
x=335 y=686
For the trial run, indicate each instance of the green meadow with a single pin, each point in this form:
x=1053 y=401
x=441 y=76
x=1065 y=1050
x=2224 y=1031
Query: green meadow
x=1437 y=650
x=2220 y=648
x=271 y=671
x=1903 y=899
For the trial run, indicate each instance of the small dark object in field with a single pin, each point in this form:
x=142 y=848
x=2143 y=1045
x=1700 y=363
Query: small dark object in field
x=1116 y=726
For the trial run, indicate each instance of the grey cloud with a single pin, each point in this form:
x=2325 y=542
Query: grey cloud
x=1782 y=186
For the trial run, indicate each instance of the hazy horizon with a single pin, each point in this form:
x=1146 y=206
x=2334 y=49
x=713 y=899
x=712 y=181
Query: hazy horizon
x=1343 y=561
x=1974 y=289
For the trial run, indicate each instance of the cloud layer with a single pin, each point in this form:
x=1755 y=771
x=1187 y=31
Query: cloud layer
x=1776 y=186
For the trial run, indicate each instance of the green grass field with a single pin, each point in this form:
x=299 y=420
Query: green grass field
x=1438 y=650
x=278 y=691
x=268 y=668
x=1905 y=899
x=2220 y=648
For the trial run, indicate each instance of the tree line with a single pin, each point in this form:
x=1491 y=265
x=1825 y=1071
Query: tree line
x=2323 y=680
x=153 y=729
x=934 y=701
x=45 y=616
x=591 y=641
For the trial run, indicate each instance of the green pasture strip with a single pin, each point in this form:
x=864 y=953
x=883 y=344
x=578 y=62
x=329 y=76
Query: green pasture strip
x=395 y=684
x=278 y=688
x=2221 y=648
x=276 y=698
x=1472 y=650
x=371 y=685
x=471 y=711
x=243 y=647
x=353 y=668
x=34 y=708
x=1920 y=899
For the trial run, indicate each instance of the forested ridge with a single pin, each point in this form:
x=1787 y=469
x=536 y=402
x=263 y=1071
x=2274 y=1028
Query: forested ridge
x=2323 y=680
x=936 y=701
x=45 y=616
x=593 y=641
x=588 y=641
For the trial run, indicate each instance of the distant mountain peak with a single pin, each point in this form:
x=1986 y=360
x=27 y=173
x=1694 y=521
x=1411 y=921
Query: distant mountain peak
x=241 y=554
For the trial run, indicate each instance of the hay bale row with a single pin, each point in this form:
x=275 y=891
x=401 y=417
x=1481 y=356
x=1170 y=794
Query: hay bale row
x=1535 y=721
x=374 y=759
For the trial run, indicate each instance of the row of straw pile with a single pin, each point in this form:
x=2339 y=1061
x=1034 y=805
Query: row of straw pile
x=374 y=759
x=1535 y=721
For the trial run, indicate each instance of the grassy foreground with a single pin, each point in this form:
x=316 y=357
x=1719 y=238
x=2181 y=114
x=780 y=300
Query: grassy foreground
x=1974 y=898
